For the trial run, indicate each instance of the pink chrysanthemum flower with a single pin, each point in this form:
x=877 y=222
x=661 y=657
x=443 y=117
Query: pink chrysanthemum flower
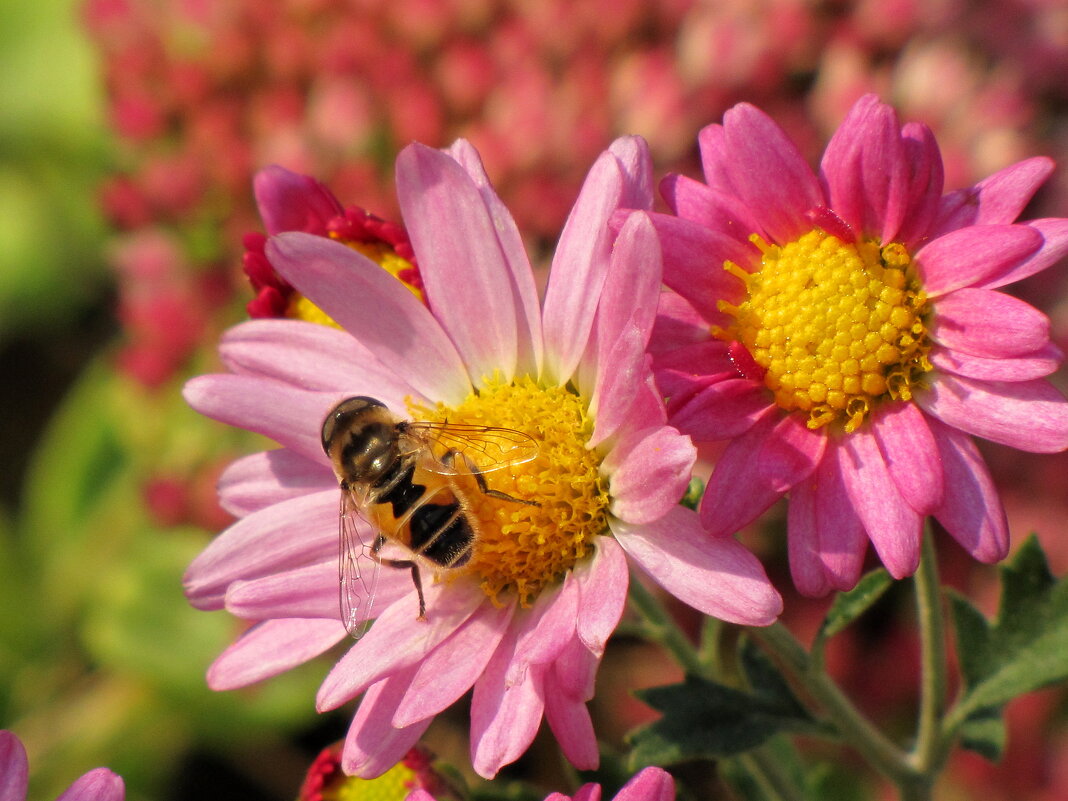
x=526 y=621
x=651 y=784
x=844 y=335
x=96 y=785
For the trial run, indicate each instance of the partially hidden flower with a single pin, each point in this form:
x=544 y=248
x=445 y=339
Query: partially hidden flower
x=526 y=621
x=651 y=784
x=414 y=773
x=96 y=785
x=844 y=334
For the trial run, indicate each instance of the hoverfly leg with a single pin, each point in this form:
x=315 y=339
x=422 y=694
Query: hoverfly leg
x=449 y=457
x=417 y=579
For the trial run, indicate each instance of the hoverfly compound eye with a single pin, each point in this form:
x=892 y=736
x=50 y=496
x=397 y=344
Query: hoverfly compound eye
x=342 y=416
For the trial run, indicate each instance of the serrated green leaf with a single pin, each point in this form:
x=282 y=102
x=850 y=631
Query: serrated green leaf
x=848 y=606
x=984 y=732
x=767 y=681
x=1025 y=648
x=703 y=719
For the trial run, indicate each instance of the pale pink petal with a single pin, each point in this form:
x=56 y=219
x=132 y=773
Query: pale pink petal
x=376 y=308
x=926 y=180
x=311 y=356
x=911 y=457
x=1039 y=364
x=971 y=512
x=843 y=542
x=973 y=255
x=737 y=494
x=983 y=322
x=287 y=535
x=649 y=471
x=893 y=526
x=1028 y=415
x=715 y=575
x=769 y=172
x=290 y=416
x=710 y=208
x=1054 y=232
x=419 y=795
x=865 y=170
x=261 y=479
x=373 y=745
x=575 y=670
x=997 y=199
x=398 y=639
x=504 y=716
x=571 y=725
x=14 y=768
x=545 y=629
x=273 y=647
x=602 y=585
x=307 y=592
x=581 y=262
x=724 y=410
x=451 y=669
x=803 y=541
x=466 y=274
x=651 y=784
x=789 y=454
x=96 y=785
x=288 y=201
x=527 y=303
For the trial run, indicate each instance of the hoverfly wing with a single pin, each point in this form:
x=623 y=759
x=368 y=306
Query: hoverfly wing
x=357 y=569
x=486 y=448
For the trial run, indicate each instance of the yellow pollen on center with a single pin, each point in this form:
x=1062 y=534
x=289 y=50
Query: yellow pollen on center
x=838 y=327
x=523 y=548
x=393 y=785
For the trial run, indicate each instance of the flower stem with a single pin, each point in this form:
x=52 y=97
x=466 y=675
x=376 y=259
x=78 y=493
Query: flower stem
x=658 y=625
x=928 y=751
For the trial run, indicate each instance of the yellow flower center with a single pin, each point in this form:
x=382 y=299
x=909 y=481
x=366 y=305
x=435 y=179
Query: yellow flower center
x=523 y=548
x=838 y=327
x=393 y=785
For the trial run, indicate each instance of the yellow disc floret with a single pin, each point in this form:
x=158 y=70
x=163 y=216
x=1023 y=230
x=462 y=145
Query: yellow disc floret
x=393 y=785
x=522 y=548
x=838 y=327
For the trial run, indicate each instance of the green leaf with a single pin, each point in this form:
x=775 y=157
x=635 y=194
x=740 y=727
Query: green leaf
x=984 y=733
x=703 y=719
x=848 y=606
x=1025 y=648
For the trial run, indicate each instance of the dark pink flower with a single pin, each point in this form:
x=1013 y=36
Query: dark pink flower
x=650 y=784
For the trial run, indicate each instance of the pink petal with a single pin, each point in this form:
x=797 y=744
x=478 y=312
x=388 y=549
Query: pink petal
x=460 y=259
x=587 y=792
x=575 y=669
x=865 y=170
x=972 y=255
x=842 y=538
x=649 y=471
x=373 y=745
x=997 y=199
x=677 y=325
x=571 y=725
x=96 y=785
x=789 y=454
x=261 y=479
x=602 y=586
x=286 y=535
x=715 y=575
x=1054 y=232
x=972 y=512
x=926 y=180
x=986 y=323
x=1029 y=415
x=273 y=647
x=451 y=669
x=651 y=784
x=712 y=141
x=911 y=457
x=724 y=410
x=893 y=526
x=312 y=357
x=291 y=417
x=1041 y=363
x=399 y=639
x=527 y=303
x=288 y=201
x=737 y=494
x=14 y=768
x=803 y=541
x=376 y=308
x=710 y=208
x=582 y=255
x=545 y=629
x=769 y=172
x=307 y=592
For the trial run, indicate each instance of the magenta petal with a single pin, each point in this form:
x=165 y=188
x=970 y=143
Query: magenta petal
x=261 y=479
x=803 y=542
x=14 y=768
x=1029 y=415
x=712 y=141
x=650 y=471
x=714 y=575
x=460 y=259
x=96 y=785
x=289 y=201
x=911 y=457
x=451 y=669
x=972 y=512
x=997 y=199
x=272 y=647
x=710 y=208
x=769 y=172
x=926 y=180
x=724 y=410
x=972 y=255
x=373 y=745
x=602 y=589
x=286 y=535
x=376 y=308
x=1054 y=232
x=893 y=526
x=737 y=494
x=677 y=325
x=843 y=542
x=1039 y=364
x=651 y=784
x=986 y=323
x=790 y=453
x=571 y=724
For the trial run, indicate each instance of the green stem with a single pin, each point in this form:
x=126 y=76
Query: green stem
x=658 y=625
x=928 y=752
x=769 y=776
